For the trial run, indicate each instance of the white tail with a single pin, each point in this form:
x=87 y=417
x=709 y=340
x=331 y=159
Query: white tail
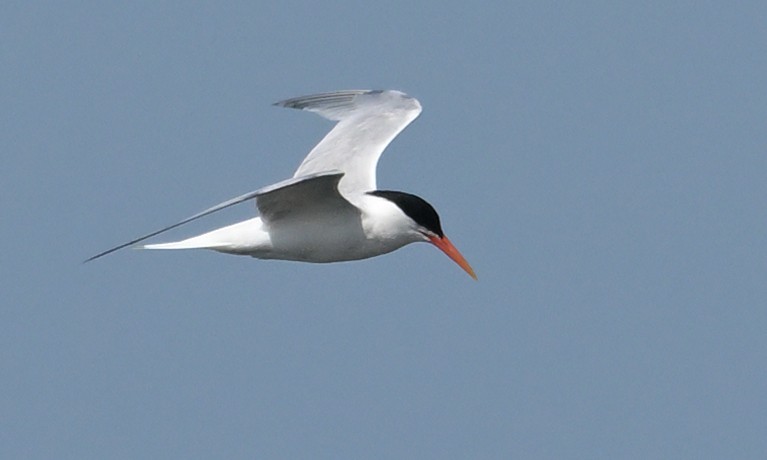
x=235 y=238
x=186 y=244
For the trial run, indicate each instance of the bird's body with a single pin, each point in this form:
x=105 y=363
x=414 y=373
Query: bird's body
x=329 y=237
x=331 y=211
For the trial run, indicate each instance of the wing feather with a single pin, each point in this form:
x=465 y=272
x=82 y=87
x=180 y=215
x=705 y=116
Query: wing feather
x=367 y=122
x=304 y=198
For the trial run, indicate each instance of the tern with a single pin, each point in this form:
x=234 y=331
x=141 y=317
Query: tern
x=330 y=210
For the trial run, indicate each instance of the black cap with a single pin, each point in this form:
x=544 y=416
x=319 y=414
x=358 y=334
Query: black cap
x=414 y=207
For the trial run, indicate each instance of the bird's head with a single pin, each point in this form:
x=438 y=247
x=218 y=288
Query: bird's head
x=424 y=221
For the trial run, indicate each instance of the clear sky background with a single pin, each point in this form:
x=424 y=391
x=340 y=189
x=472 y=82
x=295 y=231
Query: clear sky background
x=603 y=167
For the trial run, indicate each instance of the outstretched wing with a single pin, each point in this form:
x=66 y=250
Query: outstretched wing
x=367 y=122
x=291 y=198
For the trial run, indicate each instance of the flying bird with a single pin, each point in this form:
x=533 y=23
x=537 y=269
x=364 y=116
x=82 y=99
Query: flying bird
x=331 y=209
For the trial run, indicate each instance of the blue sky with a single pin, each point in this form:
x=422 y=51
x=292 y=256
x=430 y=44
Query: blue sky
x=602 y=167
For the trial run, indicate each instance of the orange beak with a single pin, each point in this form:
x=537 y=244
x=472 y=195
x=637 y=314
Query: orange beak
x=447 y=247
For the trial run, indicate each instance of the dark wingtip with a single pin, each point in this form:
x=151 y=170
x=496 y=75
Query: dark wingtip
x=104 y=253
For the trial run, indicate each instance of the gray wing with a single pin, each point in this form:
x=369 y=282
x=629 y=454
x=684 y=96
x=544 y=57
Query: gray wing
x=290 y=198
x=303 y=198
x=367 y=122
